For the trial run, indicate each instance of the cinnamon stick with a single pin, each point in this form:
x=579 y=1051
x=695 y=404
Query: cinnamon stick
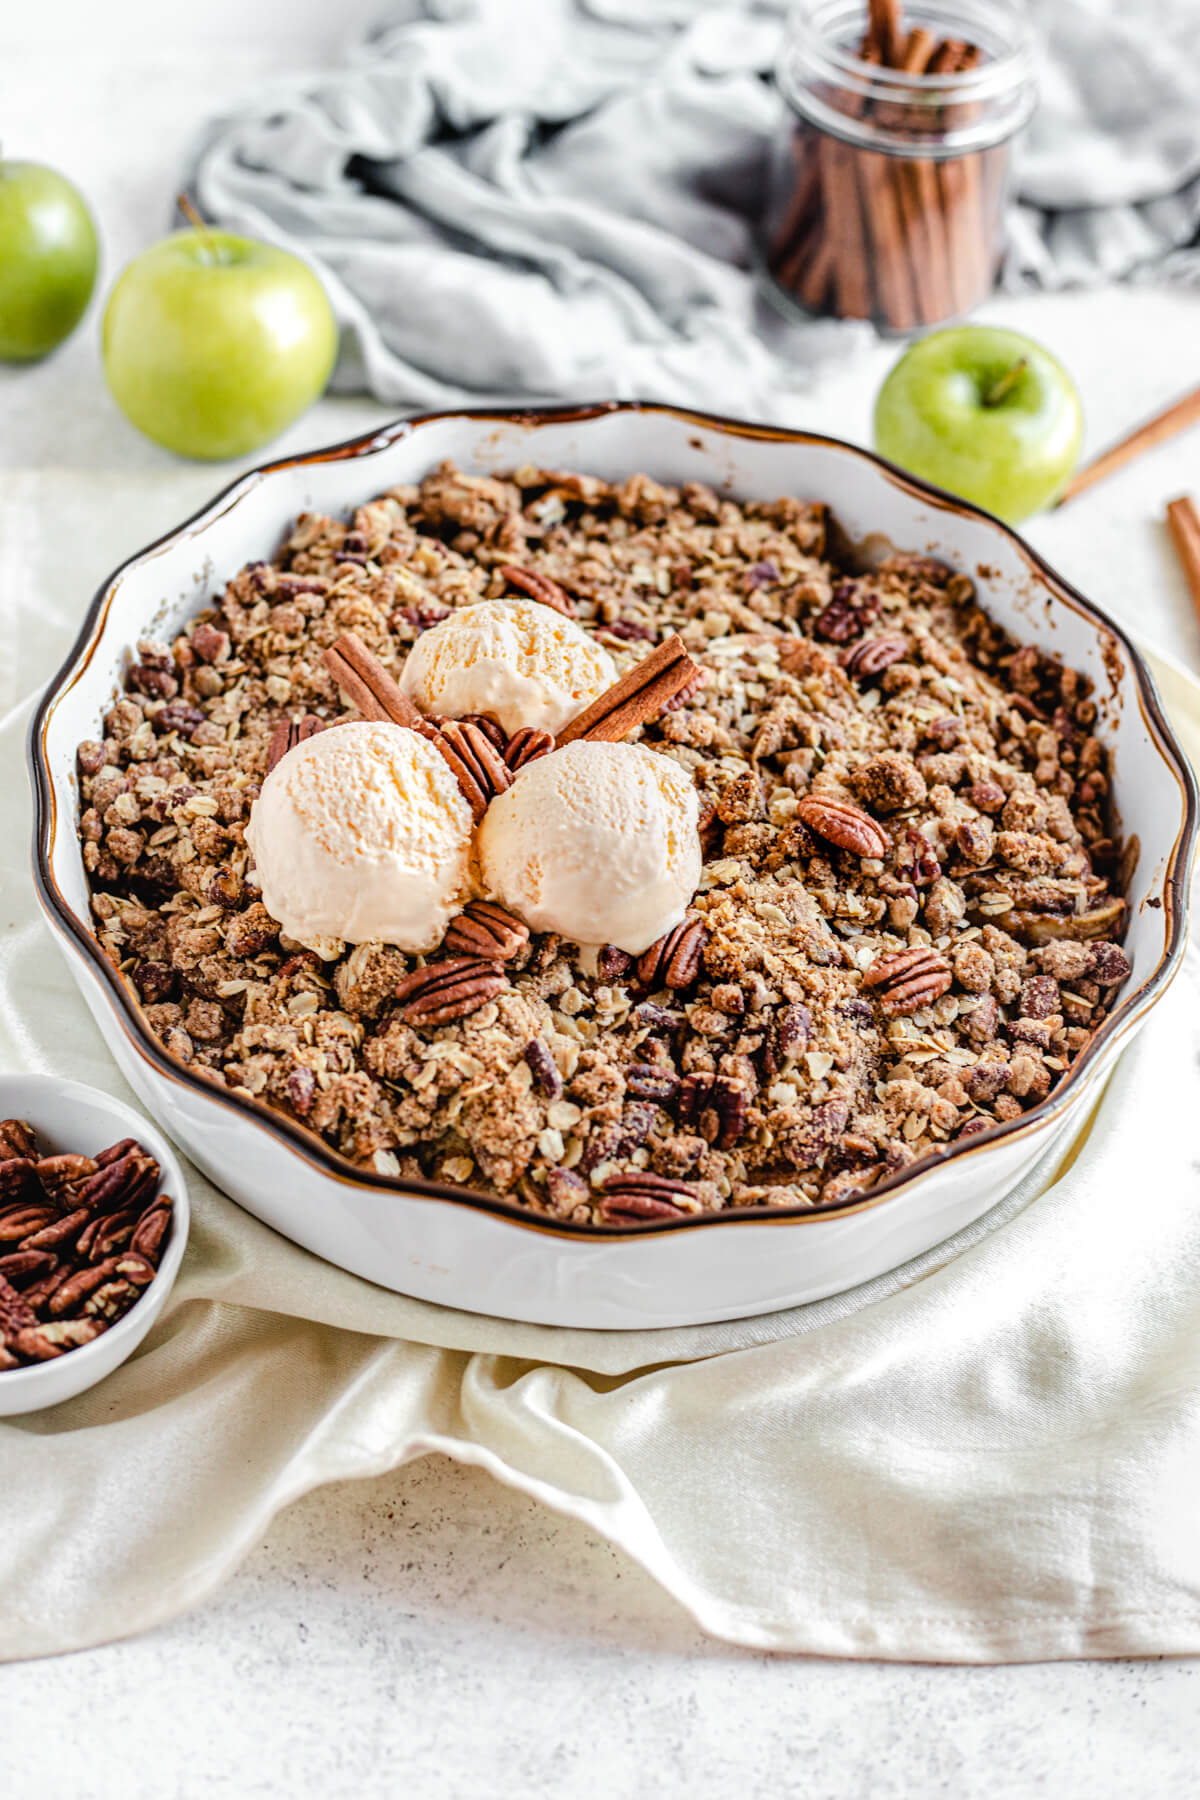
x=814 y=285
x=804 y=200
x=884 y=31
x=892 y=258
x=969 y=258
x=921 y=203
x=1163 y=425
x=364 y=679
x=639 y=695
x=1183 y=522
x=845 y=226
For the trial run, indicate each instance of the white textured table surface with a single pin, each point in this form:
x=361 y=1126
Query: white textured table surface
x=431 y=1632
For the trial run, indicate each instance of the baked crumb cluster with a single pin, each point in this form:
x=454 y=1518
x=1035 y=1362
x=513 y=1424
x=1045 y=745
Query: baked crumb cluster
x=844 y=998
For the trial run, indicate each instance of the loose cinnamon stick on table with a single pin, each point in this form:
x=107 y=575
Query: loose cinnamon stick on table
x=1183 y=521
x=638 y=696
x=1163 y=425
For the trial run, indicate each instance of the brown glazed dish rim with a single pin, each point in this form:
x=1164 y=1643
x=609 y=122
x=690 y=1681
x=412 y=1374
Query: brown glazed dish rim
x=306 y=1144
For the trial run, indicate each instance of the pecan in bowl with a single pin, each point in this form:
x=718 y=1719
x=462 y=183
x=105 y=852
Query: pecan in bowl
x=88 y=1254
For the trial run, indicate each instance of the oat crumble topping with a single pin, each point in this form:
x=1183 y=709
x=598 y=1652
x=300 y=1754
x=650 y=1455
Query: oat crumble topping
x=796 y=1065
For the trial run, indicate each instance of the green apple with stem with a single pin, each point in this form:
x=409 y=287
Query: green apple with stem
x=214 y=343
x=987 y=413
x=49 y=255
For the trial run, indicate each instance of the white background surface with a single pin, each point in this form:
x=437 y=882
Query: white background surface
x=430 y=1632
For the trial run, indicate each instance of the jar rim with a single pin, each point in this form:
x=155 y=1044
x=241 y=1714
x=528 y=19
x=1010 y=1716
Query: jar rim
x=992 y=101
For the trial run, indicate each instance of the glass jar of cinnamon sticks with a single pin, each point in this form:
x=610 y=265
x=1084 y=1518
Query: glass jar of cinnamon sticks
x=886 y=202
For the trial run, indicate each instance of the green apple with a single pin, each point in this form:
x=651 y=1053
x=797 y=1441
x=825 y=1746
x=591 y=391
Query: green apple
x=988 y=414
x=214 y=343
x=48 y=260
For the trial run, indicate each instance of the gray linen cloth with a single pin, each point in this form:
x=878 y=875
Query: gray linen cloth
x=516 y=199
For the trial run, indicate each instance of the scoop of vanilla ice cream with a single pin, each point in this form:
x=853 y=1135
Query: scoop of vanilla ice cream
x=361 y=833
x=598 y=842
x=512 y=660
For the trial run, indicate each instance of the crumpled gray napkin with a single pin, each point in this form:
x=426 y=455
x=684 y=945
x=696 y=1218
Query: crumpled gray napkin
x=521 y=199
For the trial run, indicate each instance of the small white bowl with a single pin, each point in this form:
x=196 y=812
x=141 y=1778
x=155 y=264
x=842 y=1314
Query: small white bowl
x=70 y=1117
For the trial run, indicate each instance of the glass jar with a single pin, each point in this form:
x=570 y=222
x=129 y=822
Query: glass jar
x=886 y=200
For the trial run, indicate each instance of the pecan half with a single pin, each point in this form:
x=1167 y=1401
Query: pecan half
x=674 y=961
x=150 y=1232
x=15 y=1311
x=63 y=1176
x=526 y=745
x=651 y=1081
x=872 y=656
x=59 y=1232
x=542 y=1066
x=716 y=1106
x=613 y=964
x=69 y=1295
x=788 y=1032
x=443 y=991
x=539 y=587
x=476 y=764
x=492 y=732
x=18 y=1179
x=848 y=614
x=178 y=716
x=484 y=929
x=21 y=1220
x=107 y=1233
x=23 y=1266
x=843 y=824
x=17 y=1140
x=635 y=1194
x=110 y=1300
x=129 y=1180
x=41 y=1343
x=908 y=979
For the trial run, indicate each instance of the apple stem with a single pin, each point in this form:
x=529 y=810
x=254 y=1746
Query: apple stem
x=1004 y=385
x=188 y=208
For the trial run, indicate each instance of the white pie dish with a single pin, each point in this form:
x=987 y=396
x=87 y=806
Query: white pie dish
x=465 y=1249
x=67 y=1115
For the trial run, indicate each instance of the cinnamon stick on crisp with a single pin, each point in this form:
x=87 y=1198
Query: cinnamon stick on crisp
x=476 y=764
x=1183 y=521
x=1163 y=425
x=364 y=679
x=637 y=697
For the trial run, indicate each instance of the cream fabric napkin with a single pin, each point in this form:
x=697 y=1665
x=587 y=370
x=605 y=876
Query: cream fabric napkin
x=991 y=1455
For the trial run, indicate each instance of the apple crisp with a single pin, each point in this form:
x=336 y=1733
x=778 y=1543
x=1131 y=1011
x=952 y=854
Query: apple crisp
x=907 y=923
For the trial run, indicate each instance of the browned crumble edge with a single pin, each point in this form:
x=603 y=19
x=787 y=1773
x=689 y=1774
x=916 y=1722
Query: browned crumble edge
x=906 y=927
